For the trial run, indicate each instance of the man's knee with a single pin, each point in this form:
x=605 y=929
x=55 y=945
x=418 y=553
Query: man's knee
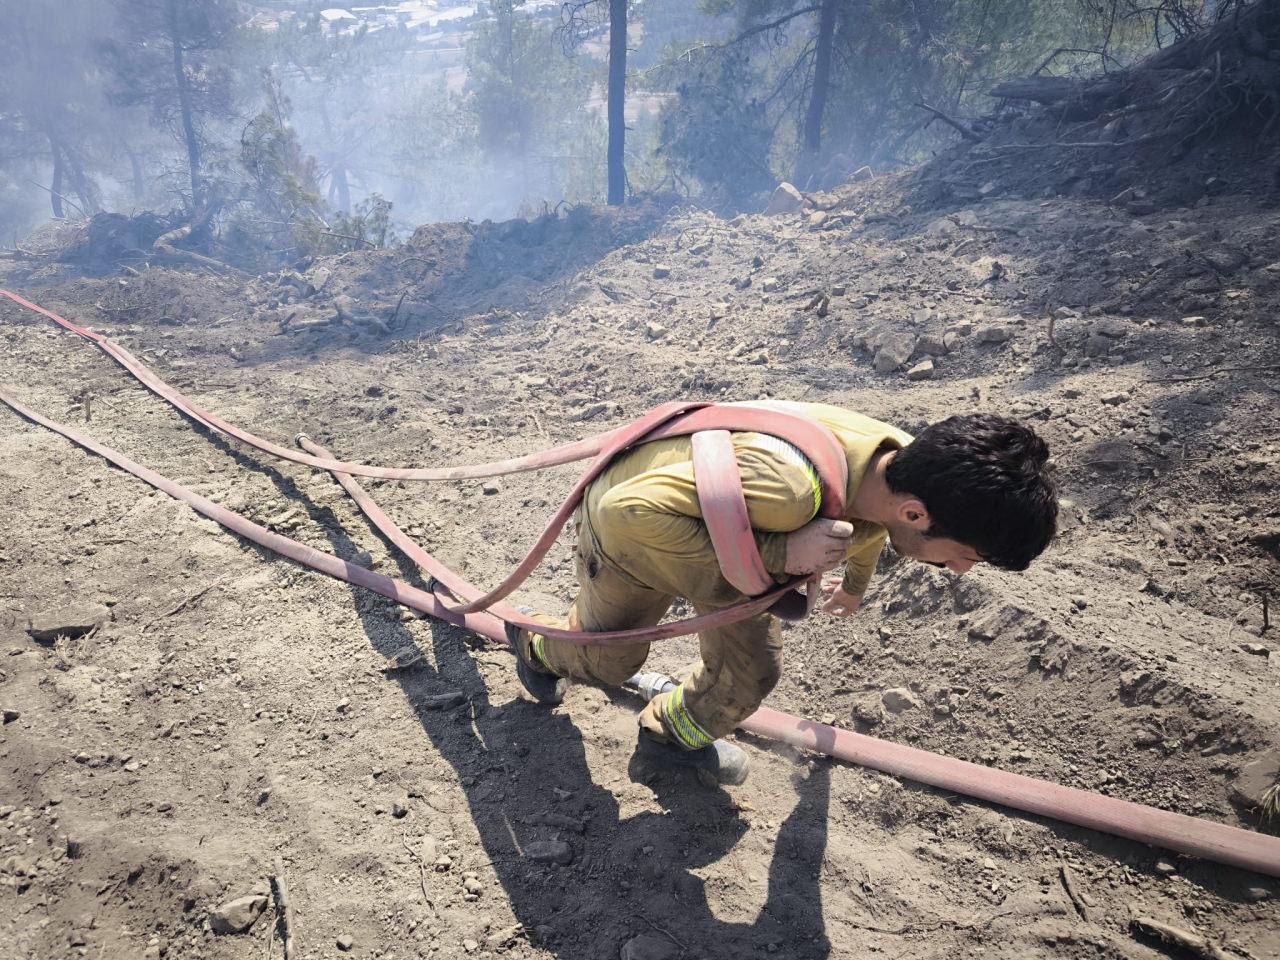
x=615 y=665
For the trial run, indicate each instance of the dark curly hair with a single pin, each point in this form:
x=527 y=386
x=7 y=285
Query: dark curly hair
x=986 y=482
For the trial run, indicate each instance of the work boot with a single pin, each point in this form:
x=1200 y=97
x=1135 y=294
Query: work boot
x=539 y=682
x=722 y=761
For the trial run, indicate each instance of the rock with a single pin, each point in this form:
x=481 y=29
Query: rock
x=1205 y=283
x=921 y=371
x=1165 y=868
x=759 y=359
x=931 y=345
x=770 y=285
x=1097 y=346
x=470 y=946
x=992 y=333
x=647 y=947
x=719 y=310
x=899 y=699
x=661 y=271
x=549 y=851
x=1254 y=779
x=785 y=199
x=1224 y=259
x=817 y=219
x=343 y=705
x=1257 y=649
x=72 y=621
x=1115 y=399
x=489 y=488
x=591 y=411
x=654 y=330
x=869 y=711
x=1196 y=321
x=237 y=916
x=345 y=942
x=10 y=715
x=862 y=174
x=893 y=351
x=1256 y=894
x=319 y=278
x=75 y=848
x=1112 y=327
x=472 y=886
x=399 y=809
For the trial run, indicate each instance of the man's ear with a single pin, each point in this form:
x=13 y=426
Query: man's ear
x=914 y=514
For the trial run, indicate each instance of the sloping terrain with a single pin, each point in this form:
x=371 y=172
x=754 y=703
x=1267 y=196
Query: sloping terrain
x=190 y=708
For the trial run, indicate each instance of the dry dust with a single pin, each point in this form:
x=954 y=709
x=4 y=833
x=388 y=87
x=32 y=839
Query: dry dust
x=209 y=707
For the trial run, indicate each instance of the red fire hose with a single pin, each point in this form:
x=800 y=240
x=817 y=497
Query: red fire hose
x=1190 y=835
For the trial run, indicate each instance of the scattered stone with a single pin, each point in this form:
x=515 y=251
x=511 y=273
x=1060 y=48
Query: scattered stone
x=921 y=371
x=862 y=174
x=10 y=715
x=893 y=351
x=319 y=278
x=75 y=848
x=719 y=310
x=785 y=199
x=1097 y=346
x=931 y=345
x=1112 y=327
x=443 y=863
x=759 y=359
x=1115 y=399
x=1254 y=779
x=770 y=285
x=647 y=947
x=72 y=622
x=549 y=851
x=1257 y=649
x=591 y=411
x=472 y=886
x=1256 y=894
x=237 y=916
x=489 y=488
x=1196 y=321
x=405 y=657
x=399 y=809
x=661 y=271
x=345 y=942
x=899 y=699
x=992 y=333
x=343 y=705
x=654 y=330
x=1165 y=868
x=1205 y=283
x=470 y=946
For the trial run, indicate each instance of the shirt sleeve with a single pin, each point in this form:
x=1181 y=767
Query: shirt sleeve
x=658 y=511
x=860 y=561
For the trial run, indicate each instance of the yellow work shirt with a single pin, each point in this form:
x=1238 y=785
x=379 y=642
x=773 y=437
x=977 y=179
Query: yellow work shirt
x=644 y=511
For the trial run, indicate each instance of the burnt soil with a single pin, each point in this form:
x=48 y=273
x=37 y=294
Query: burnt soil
x=190 y=707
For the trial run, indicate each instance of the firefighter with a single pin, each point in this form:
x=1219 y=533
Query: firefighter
x=971 y=489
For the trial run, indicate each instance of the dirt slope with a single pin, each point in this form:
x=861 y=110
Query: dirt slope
x=229 y=707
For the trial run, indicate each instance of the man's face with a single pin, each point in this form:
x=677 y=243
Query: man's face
x=936 y=551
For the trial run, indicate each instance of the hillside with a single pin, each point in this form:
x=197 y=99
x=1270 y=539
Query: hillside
x=227 y=707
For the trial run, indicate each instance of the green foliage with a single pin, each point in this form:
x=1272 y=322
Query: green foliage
x=369 y=221
x=716 y=132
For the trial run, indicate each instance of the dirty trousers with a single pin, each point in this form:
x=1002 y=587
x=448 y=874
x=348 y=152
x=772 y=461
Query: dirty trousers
x=740 y=664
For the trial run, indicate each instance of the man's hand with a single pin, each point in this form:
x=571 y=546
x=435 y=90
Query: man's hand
x=836 y=601
x=818 y=545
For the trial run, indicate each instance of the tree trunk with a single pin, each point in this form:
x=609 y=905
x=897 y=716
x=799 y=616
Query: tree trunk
x=184 y=104
x=340 y=186
x=812 y=142
x=617 y=101
x=55 y=189
x=139 y=181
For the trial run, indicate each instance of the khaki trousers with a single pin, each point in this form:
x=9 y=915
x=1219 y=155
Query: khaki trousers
x=741 y=663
